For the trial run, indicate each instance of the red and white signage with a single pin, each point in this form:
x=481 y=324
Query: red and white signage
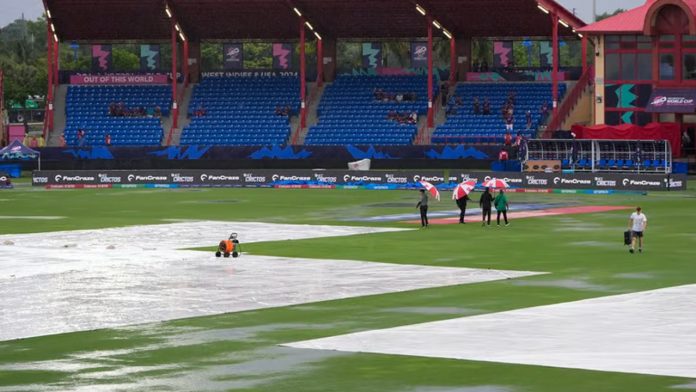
x=119 y=79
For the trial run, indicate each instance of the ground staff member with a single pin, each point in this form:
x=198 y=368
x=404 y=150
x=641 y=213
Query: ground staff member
x=461 y=203
x=637 y=224
x=486 y=204
x=423 y=205
x=501 y=205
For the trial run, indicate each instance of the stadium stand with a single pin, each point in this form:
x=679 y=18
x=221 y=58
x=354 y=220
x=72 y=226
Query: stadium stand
x=464 y=126
x=242 y=111
x=356 y=110
x=88 y=108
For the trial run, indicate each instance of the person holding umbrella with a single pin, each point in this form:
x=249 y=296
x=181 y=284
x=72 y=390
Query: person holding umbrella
x=485 y=202
x=423 y=205
x=461 y=196
x=501 y=206
x=461 y=203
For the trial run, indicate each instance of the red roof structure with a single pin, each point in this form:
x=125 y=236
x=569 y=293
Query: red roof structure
x=640 y=20
x=124 y=20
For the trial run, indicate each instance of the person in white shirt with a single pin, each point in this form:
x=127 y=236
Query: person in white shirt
x=637 y=224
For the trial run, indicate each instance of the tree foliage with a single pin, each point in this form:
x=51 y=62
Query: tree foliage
x=609 y=14
x=23 y=59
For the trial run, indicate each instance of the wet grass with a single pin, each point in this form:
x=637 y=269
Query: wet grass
x=240 y=352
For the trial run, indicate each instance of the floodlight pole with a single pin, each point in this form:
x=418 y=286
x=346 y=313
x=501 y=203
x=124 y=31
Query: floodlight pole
x=303 y=72
x=554 y=74
x=431 y=122
x=175 y=105
x=320 y=62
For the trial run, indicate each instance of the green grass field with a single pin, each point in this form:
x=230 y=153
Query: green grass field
x=240 y=351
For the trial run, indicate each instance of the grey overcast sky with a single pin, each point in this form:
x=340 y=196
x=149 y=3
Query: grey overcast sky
x=13 y=9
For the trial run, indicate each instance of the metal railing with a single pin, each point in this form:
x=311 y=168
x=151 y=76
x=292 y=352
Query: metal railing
x=597 y=155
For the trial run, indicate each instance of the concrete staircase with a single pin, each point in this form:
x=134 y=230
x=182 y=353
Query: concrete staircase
x=581 y=113
x=424 y=134
x=297 y=135
x=59 y=117
x=173 y=138
x=578 y=98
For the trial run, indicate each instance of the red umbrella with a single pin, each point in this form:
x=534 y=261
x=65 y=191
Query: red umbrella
x=496 y=183
x=431 y=189
x=463 y=189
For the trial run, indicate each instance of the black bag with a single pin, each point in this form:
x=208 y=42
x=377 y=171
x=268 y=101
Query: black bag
x=627 y=237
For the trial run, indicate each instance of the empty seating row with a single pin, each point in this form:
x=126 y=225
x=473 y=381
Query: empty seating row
x=88 y=109
x=239 y=110
x=617 y=164
x=463 y=121
x=355 y=109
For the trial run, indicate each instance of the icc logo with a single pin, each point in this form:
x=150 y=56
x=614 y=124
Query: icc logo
x=658 y=101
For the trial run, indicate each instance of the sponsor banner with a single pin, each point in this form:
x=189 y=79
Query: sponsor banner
x=672 y=100
x=119 y=79
x=593 y=181
x=372 y=55
x=419 y=54
x=282 y=56
x=377 y=179
x=233 y=56
x=149 y=58
x=252 y=73
x=102 y=59
x=517 y=76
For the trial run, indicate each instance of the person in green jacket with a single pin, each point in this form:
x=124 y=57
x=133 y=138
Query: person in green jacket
x=501 y=205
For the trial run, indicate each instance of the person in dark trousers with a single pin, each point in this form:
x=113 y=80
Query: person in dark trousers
x=486 y=204
x=423 y=205
x=461 y=203
x=501 y=205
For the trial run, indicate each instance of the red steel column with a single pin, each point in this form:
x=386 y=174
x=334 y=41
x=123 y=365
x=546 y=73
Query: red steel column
x=554 y=75
x=320 y=63
x=2 y=90
x=453 y=62
x=185 y=64
x=3 y=135
x=584 y=54
x=303 y=76
x=431 y=122
x=48 y=122
x=175 y=105
x=56 y=63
